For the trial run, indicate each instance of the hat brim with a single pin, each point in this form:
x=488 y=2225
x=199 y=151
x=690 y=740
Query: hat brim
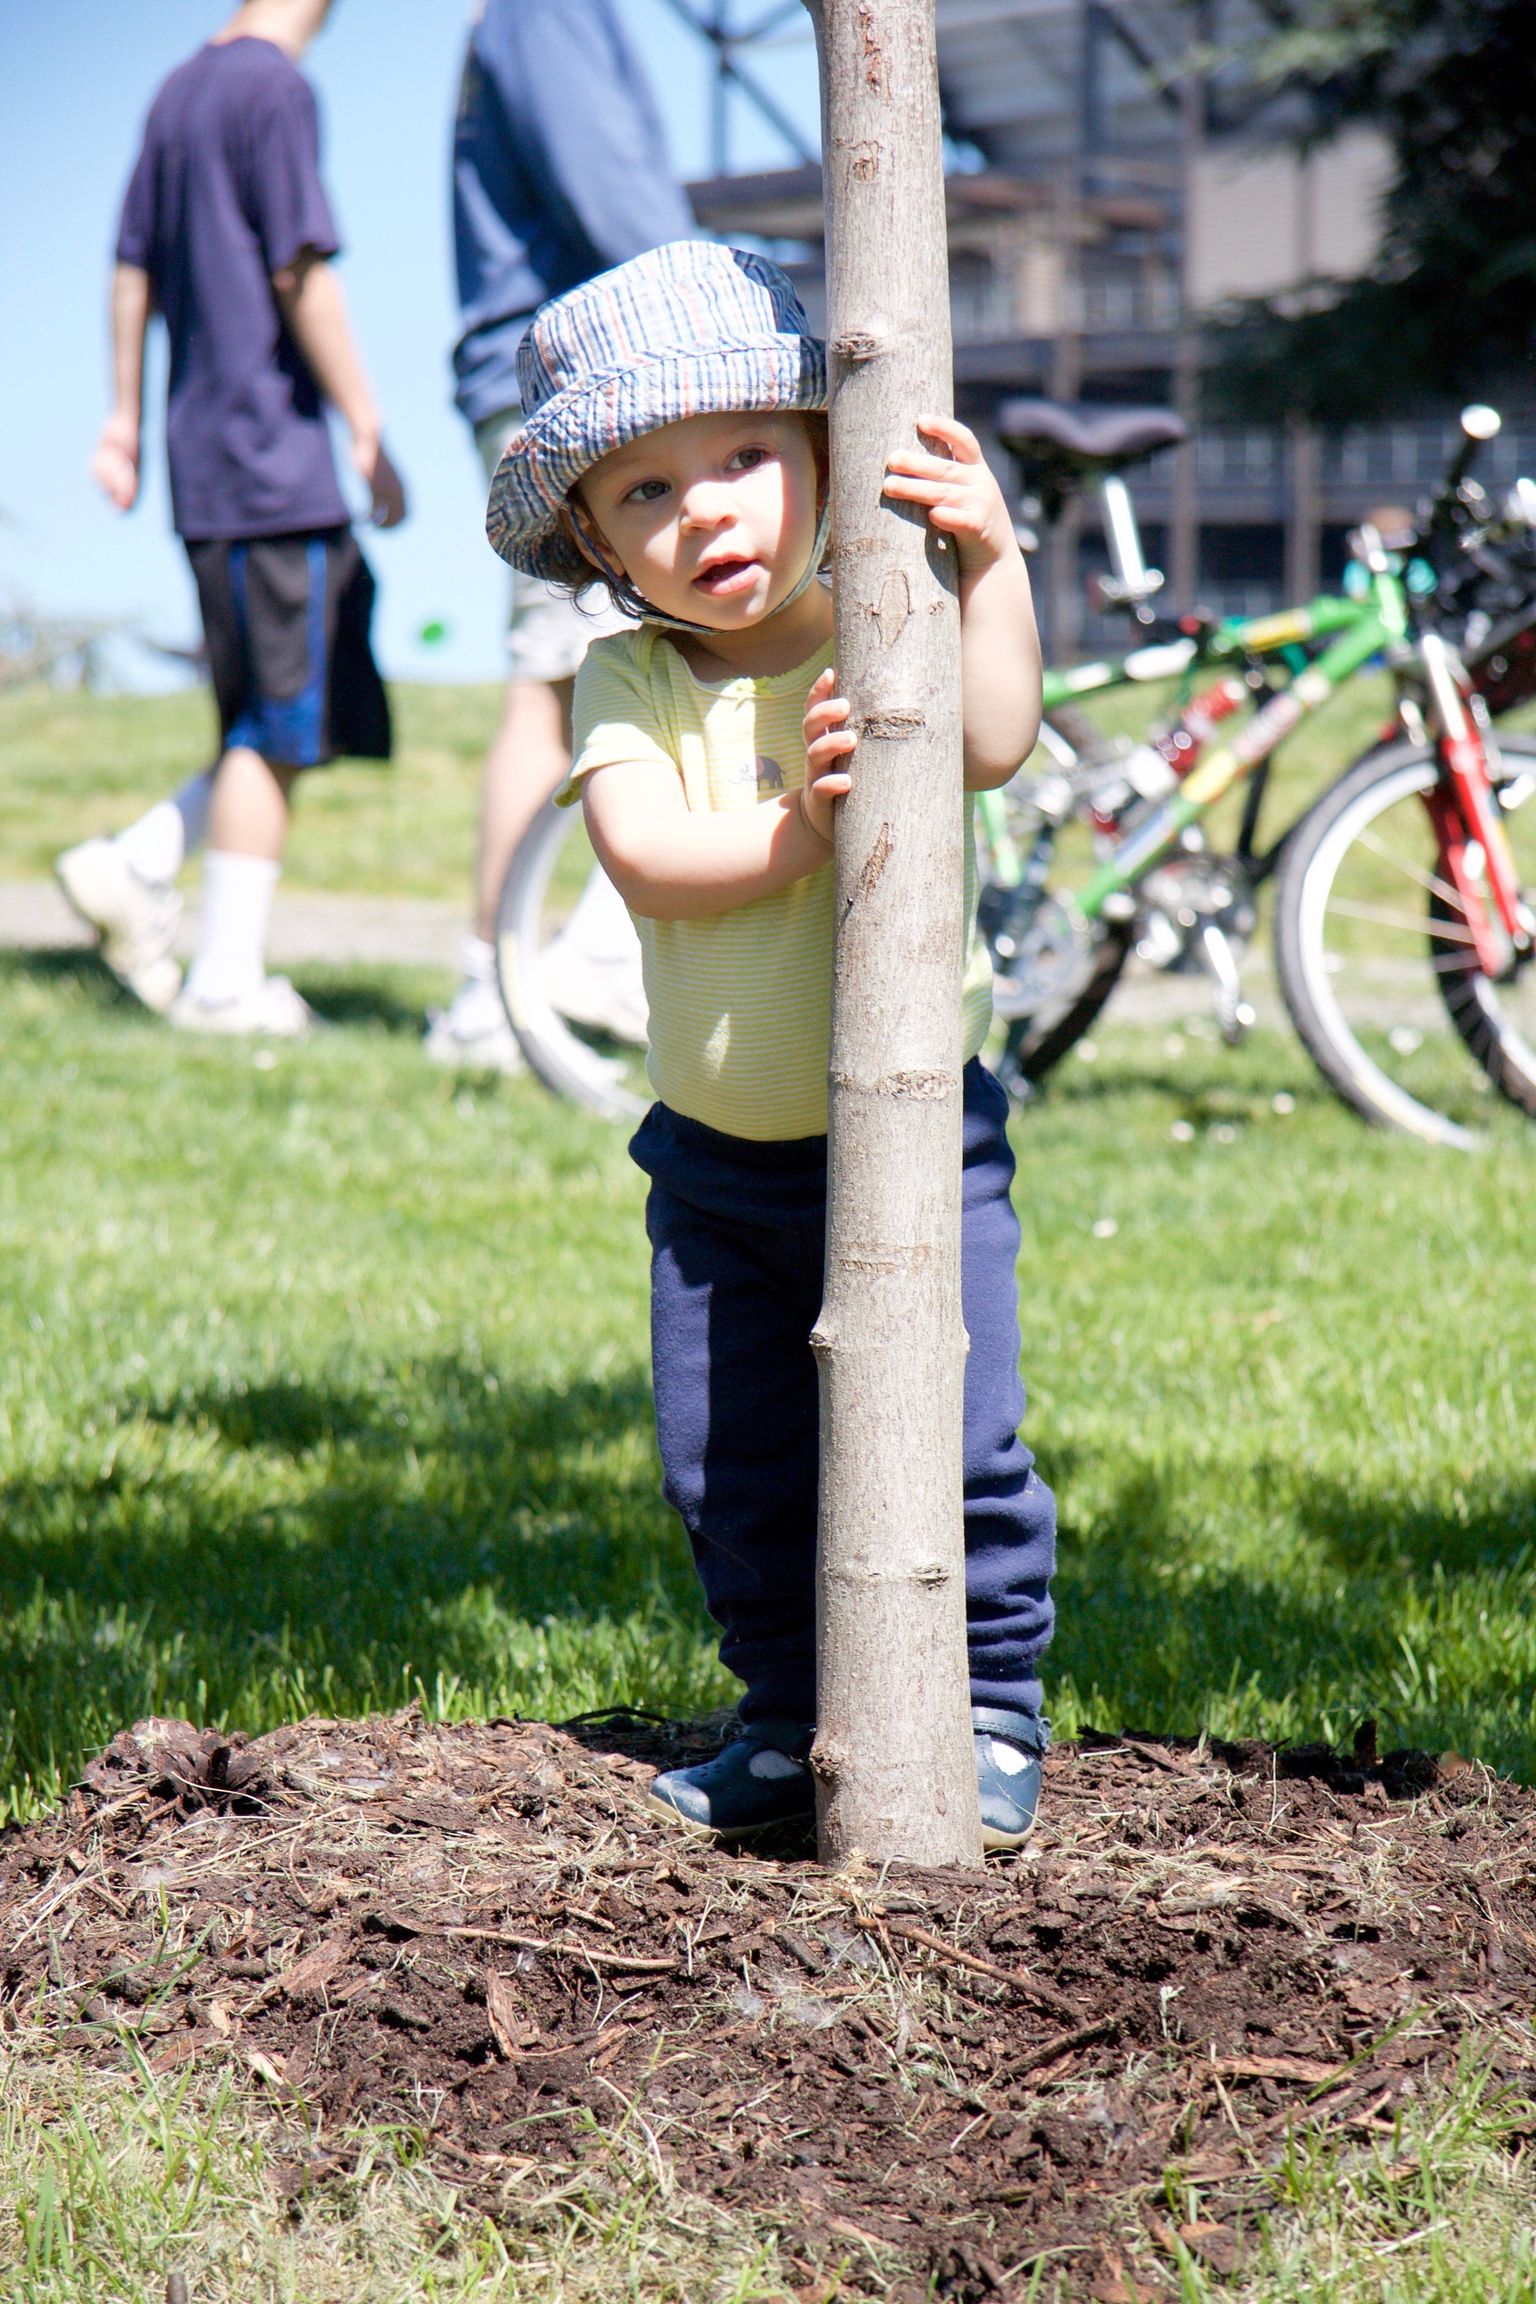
x=575 y=429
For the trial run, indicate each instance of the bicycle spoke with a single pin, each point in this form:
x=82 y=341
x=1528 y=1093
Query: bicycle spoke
x=1380 y=962
x=1376 y=915
x=1430 y=882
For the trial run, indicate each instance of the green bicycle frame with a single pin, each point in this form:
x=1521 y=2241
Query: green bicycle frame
x=1378 y=622
x=1234 y=639
x=1356 y=630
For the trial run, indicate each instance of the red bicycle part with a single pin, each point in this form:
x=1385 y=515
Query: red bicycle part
x=1444 y=813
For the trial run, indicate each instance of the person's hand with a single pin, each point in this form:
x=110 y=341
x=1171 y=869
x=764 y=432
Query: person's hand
x=386 y=489
x=828 y=743
x=962 y=497
x=115 y=462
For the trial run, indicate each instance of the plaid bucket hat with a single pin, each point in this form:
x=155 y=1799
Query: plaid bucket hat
x=689 y=329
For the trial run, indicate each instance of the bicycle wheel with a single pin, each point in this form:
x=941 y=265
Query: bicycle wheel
x=1037 y=1041
x=568 y=964
x=1376 y=961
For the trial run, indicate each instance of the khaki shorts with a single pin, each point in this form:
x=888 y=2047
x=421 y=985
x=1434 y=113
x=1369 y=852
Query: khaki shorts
x=548 y=632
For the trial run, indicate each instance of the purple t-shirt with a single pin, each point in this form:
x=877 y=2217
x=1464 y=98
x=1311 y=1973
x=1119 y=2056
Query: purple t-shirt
x=226 y=192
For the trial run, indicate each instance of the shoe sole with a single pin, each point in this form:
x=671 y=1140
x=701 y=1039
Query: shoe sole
x=729 y=1834
x=156 y=997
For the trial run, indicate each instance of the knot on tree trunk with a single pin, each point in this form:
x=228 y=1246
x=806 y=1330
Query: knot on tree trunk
x=918 y=1085
x=894 y=723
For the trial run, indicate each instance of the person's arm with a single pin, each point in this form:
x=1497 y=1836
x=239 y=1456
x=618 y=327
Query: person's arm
x=671 y=864
x=314 y=312
x=999 y=644
x=115 y=463
x=600 y=163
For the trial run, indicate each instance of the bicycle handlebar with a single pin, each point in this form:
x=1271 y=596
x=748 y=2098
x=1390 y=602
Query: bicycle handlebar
x=1479 y=424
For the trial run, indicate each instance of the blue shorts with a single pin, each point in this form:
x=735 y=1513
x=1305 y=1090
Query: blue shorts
x=286 y=620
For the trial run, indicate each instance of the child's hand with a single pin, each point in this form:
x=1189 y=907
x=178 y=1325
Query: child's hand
x=828 y=743
x=962 y=497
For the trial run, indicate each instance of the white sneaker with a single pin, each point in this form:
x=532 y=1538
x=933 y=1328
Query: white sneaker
x=135 y=919
x=607 y=995
x=472 y=1033
x=274 y=1011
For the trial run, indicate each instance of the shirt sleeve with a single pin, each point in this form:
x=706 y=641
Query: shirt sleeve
x=586 y=127
x=614 y=716
x=135 y=231
x=288 y=208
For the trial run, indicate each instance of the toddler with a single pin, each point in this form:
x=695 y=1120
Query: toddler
x=674 y=443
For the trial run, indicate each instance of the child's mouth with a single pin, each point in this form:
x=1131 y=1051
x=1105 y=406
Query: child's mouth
x=725 y=577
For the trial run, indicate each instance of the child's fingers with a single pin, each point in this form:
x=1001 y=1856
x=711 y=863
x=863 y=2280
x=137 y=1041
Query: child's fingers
x=943 y=504
x=822 y=685
x=957 y=437
x=920 y=465
x=827 y=750
x=831 y=712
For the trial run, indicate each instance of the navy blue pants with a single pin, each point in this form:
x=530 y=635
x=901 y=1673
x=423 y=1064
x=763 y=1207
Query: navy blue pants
x=737 y=1234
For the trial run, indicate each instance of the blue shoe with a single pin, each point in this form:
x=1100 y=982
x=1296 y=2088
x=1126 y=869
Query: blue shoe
x=760 y=1780
x=1010 y=1748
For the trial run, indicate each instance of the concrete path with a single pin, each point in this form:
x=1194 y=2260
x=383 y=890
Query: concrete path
x=306 y=929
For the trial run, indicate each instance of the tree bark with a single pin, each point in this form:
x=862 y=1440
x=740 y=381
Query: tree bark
x=893 y=1756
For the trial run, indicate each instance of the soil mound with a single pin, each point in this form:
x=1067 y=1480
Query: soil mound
x=930 y=2077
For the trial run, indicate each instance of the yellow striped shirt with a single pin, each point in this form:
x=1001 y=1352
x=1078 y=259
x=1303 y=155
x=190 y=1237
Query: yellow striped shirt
x=740 y=1001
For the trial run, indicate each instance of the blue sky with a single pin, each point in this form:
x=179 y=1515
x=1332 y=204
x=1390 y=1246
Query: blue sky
x=75 y=79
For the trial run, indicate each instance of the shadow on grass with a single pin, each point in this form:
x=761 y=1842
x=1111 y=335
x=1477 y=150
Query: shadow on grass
x=361 y=1001
x=343 y=1543
x=1352 y=1618
x=75 y=967
x=242 y=1552
x=358 y=998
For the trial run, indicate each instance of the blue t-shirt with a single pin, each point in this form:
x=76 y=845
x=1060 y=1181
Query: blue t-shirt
x=560 y=170
x=226 y=192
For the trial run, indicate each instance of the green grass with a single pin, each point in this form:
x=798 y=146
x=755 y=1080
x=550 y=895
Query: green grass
x=76 y=764
x=326 y=1385
x=112 y=2181
x=1441 y=2211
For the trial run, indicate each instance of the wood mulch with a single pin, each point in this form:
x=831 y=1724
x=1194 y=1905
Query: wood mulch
x=921 y=2078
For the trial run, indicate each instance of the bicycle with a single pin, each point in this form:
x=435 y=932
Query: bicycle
x=1156 y=886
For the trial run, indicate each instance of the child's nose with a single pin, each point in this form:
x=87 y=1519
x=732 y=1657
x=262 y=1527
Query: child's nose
x=706 y=504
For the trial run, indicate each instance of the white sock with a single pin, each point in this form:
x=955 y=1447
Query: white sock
x=231 y=949
x=158 y=845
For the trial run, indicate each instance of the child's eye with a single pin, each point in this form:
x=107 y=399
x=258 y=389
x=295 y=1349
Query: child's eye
x=747 y=459
x=646 y=492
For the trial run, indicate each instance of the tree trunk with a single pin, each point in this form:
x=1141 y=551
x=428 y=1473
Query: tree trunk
x=893 y=1757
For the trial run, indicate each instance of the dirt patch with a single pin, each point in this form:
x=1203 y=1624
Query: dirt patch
x=942 y=2077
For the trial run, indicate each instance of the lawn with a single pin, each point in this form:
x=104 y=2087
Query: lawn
x=76 y=764
x=327 y=1385
x=324 y=1379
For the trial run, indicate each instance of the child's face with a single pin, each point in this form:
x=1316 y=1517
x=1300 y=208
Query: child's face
x=712 y=519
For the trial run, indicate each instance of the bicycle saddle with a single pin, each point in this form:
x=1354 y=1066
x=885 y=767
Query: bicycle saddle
x=1084 y=435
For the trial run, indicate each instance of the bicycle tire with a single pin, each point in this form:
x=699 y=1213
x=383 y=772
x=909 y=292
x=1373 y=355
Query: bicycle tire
x=553 y=1051
x=1364 y=858
x=1034 y=1045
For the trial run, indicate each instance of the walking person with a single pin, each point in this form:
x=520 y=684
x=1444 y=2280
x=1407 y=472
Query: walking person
x=226 y=232
x=674 y=443
x=559 y=171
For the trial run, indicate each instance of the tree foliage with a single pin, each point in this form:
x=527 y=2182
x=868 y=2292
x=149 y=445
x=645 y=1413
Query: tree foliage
x=1449 y=306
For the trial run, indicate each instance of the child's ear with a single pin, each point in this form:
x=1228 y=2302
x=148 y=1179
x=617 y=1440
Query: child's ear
x=576 y=532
